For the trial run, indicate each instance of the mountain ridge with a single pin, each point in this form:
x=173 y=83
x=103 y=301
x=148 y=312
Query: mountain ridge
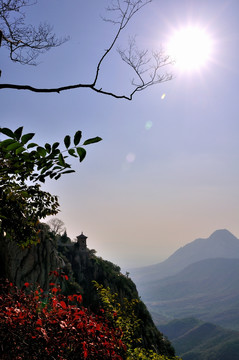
x=220 y=244
x=207 y=290
x=197 y=340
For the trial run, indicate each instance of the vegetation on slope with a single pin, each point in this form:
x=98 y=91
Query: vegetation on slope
x=24 y=254
x=196 y=340
x=88 y=268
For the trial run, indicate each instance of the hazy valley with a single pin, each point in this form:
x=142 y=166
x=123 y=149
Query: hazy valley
x=193 y=297
x=197 y=340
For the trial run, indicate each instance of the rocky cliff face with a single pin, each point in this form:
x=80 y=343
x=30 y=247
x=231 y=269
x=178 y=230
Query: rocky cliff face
x=82 y=266
x=31 y=264
x=86 y=267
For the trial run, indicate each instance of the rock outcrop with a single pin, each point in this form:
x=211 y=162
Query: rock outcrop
x=82 y=266
x=32 y=264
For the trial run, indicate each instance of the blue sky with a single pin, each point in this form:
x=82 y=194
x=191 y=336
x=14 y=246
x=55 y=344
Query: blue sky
x=167 y=169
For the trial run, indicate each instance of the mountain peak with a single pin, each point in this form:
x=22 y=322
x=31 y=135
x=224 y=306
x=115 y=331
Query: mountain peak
x=222 y=234
x=220 y=244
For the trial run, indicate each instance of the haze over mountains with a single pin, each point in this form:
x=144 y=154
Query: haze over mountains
x=221 y=244
x=198 y=283
x=207 y=290
x=199 y=280
x=197 y=340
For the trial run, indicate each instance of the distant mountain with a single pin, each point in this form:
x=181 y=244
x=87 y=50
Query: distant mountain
x=221 y=244
x=207 y=290
x=197 y=340
x=199 y=280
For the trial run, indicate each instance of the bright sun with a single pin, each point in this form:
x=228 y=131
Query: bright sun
x=190 y=47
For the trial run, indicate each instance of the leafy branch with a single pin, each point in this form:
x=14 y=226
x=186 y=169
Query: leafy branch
x=27 y=160
x=21 y=160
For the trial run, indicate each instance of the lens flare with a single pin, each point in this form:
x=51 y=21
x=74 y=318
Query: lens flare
x=130 y=157
x=148 y=125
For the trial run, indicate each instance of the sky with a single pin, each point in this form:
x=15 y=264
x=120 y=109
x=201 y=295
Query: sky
x=167 y=170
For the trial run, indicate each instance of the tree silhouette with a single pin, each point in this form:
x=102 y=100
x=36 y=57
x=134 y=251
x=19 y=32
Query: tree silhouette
x=26 y=42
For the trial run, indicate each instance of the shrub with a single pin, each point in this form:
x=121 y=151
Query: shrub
x=35 y=325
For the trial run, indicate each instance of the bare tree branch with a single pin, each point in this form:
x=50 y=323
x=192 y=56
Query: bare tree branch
x=24 y=42
x=125 y=10
x=146 y=68
x=56 y=225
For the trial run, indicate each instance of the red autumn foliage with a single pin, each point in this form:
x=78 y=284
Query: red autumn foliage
x=53 y=326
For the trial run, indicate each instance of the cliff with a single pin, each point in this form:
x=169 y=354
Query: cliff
x=32 y=264
x=82 y=266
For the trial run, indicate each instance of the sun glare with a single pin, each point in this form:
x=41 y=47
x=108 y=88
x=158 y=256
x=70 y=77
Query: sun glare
x=190 y=48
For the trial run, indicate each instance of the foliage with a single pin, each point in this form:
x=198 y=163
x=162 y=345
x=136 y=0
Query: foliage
x=143 y=354
x=52 y=326
x=21 y=160
x=24 y=160
x=21 y=207
x=123 y=315
x=64 y=238
x=90 y=268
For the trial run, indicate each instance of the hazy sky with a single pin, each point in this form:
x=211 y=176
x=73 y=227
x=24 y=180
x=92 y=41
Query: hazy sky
x=167 y=170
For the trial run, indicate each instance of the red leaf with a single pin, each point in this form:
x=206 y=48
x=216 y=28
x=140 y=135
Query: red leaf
x=39 y=322
x=79 y=298
x=63 y=304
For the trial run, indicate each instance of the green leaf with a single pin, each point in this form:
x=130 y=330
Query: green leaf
x=61 y=160
x=41 y=178
x=7 y=132
x=48 y=148
x=81 y=152
x=14 y=146
x=52 y=175
x=72 y=152
x=43 y=170
x=25 y=194
x=25 y=138
x=5 y=143
x=20 y=150
x=67 y=141
x=18 y=133
x=41 y=151
x=92 y=141
x=47 y=173
x=31 y=145
x=68 y=171
x=57 y=167
x=55 y=145
x=77 y=137
x=54 y=153
x=34 y=155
